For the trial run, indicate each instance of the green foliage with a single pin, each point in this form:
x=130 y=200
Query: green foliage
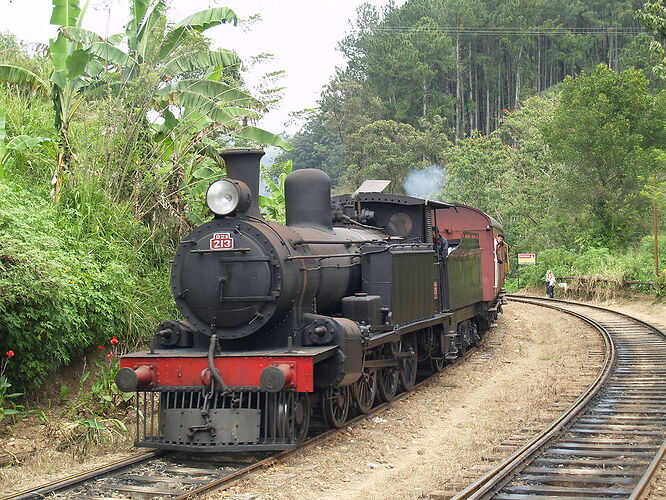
x=274 y=205
x=385 y=149
x=6 y=396
x=466 y=61
x=604 y=131
x=653 y=16
x=68 y=280
x=598 y=266
x=103 y=398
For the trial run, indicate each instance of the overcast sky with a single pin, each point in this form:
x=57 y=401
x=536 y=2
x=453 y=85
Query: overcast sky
x=302 y=34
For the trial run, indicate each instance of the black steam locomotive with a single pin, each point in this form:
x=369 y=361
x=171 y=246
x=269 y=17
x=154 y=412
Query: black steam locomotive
x=321 y=317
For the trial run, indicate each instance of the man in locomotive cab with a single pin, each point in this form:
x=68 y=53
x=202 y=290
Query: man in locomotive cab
x=440 y=243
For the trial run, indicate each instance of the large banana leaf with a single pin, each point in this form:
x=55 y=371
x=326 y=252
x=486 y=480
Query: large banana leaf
x=85 y=37
x=198 y=23
x=23 y=142
x=153 y=16
x=218 y=91
x=21 y=76
x=138 y=9
x=65 y=12
x=107 y=52
x=58 y=49
x=116 y=39
x=264 y=137
x=199 y=60
x=200 y=103
x=104 y=89
x=76 y=63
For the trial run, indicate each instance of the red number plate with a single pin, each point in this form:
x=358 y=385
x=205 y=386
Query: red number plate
x=221 y=241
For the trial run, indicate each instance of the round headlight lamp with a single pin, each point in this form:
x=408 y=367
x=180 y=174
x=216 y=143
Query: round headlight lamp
x=228 y=195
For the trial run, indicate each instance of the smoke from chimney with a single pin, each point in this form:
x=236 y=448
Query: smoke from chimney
x=425 y=182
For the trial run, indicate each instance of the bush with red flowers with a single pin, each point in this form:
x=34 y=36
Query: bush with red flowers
x=70 y=280
x=6 y=396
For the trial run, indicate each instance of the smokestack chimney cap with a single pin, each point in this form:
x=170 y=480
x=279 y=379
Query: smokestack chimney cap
x=242 y=151
x=243 y=164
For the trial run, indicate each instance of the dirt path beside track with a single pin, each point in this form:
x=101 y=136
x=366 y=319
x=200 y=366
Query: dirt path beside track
x=436 y=440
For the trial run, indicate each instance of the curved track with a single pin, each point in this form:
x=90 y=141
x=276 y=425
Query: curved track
x=609 y=443
x=160 y=474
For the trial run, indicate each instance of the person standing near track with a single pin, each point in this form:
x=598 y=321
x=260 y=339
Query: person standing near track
x=550 y=284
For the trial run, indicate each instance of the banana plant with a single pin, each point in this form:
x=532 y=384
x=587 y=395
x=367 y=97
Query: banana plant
x=18 y=143
x=155 y=47
x=72 y=71
x=274 y=205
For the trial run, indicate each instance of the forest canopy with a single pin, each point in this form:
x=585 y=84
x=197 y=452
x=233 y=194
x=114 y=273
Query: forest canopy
x=548 y=115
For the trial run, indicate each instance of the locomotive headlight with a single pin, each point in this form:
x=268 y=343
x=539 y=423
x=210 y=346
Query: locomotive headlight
x=226 y=195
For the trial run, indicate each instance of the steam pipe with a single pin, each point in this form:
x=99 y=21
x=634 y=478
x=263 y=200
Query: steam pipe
x=211 y=363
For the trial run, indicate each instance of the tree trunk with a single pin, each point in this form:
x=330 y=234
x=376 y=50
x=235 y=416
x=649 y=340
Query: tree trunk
x=487 y=109
x=476 y=98
x=424 y=87
x=538 y=72
x=63 y=160
x=458 y=86
x=517 y=99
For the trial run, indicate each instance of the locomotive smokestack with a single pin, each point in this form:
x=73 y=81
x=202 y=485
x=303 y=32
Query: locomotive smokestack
x=244 y=165
x=307 y=195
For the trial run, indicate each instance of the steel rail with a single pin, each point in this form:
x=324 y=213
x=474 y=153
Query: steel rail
x=44 y=489
x=500 y=476
x=229 y=480
x=493 y=478
x=225 y=481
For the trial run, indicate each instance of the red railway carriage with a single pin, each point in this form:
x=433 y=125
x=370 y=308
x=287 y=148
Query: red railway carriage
x=452 y=223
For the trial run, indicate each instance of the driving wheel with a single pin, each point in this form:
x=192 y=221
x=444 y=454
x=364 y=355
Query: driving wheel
x=336 y=402
x=408 y=363
x=365 y=391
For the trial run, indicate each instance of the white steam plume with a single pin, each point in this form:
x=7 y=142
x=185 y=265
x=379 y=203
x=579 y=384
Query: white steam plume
x=425 y=182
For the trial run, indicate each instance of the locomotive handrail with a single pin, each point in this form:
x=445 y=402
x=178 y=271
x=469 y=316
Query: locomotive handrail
x=216 y=250
x=323 y=256
x=331 y=242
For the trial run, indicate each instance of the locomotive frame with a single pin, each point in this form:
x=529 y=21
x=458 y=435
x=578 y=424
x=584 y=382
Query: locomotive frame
x=318 y=318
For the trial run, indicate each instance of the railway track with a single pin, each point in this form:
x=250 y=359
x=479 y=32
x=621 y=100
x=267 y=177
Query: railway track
x=609 y=443
x=165 y=475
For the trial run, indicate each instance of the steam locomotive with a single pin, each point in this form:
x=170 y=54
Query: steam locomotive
x=319 y=318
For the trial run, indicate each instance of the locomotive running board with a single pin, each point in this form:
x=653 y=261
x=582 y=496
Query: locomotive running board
x=394 y=335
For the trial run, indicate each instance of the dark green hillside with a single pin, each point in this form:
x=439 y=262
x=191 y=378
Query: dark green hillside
x=547 y=115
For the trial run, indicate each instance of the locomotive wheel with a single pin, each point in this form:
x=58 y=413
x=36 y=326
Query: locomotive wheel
x=437 y=355
x=336 y=402
x=300 y=413
x=365 y=391
x=437 y=365
x=462 y=339
x=408 y=364
x=387 y=383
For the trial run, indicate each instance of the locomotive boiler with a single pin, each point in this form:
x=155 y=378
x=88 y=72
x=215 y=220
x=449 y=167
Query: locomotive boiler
x=318 y=318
